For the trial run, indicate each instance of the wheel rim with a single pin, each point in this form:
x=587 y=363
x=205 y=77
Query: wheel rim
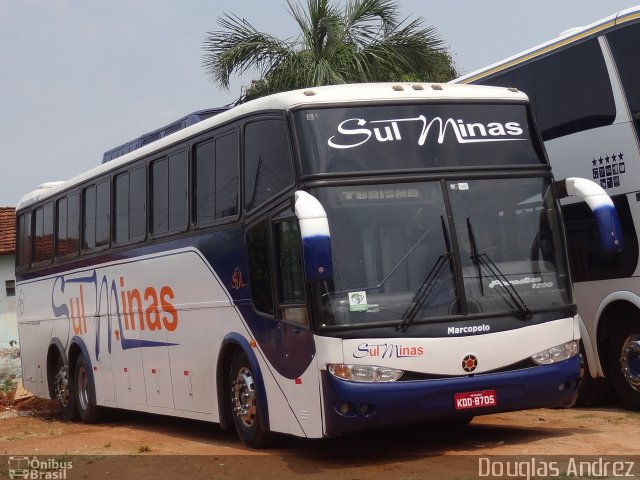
x=243 y=397
x=630 y=361
x=83 y=391
x=61 y=386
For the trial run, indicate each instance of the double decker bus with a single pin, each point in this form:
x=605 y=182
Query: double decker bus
x=314 y=263
x=584 y=91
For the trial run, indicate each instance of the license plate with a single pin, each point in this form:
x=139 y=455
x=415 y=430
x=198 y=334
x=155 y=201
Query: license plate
x=485 y=398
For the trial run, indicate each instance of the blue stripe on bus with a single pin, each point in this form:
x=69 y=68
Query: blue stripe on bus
x=375 y=405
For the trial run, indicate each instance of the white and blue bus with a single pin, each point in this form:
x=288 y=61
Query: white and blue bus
x=584 y=91
x=314 y=262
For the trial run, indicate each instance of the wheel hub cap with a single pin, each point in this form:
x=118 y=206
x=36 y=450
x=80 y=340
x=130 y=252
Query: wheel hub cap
x=243 y=397
x=61 y=386
x=630 y=361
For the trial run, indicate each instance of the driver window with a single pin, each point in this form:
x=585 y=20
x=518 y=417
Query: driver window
x=291 y=293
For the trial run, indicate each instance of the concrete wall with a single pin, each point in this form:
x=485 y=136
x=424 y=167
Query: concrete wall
x=9 y=354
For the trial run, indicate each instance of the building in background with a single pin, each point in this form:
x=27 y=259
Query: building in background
x=9 y=348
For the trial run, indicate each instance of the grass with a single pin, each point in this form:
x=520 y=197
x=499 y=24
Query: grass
x=9 y=385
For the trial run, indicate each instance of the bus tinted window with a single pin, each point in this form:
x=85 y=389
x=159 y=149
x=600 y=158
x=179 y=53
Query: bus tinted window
x=227 y=176
x=129 y=206
x=89 y=218
x=178 y=182
x=61 y=227
x=67 y=226
x=268 y=168
x=624 y=46
x=569 y=90
x=23 y=253
x=121 y=220
x=43 y=240
x=73 y=224
x=159 y=196
x=204 y=169
x=290 y=279
x=137 y=204
x=103 y=209
x=260 y=267
x=216 y=179
x=169 y=202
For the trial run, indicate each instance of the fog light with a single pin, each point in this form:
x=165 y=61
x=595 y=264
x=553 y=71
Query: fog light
x=366 y=410
x=345 y=409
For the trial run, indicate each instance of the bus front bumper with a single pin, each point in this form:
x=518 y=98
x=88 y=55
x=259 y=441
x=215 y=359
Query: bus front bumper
x=352 y=406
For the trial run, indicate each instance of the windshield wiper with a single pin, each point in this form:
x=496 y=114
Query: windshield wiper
x=482 y=259
x=420 y=297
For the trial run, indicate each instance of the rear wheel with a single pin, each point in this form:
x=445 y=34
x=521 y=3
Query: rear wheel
x=624 y=361
x=63 y=391
x=85 y=389
x=244 y=403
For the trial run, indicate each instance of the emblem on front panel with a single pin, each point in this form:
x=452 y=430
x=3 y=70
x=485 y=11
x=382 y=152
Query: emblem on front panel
x=236 y=279
x=469 y=363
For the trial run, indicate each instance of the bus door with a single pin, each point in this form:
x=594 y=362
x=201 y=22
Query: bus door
x=280 y=301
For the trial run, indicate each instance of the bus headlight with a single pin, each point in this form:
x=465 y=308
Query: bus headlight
x=556 y=354
x=364 y=373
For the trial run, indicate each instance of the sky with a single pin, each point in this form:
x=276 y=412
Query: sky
x=79 y=77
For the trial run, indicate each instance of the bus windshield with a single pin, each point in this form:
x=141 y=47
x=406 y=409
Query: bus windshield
x=414 y=137
x=399 y=257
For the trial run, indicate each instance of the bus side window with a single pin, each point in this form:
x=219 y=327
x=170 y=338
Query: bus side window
x=43 y=239
x=561 y=89
x=291 y=294
x=268 y=169
x=624 y=46
x=260 y=267
x=23 y=259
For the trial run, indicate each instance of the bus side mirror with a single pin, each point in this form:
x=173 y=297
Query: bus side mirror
x=601 y=205
x=316 y=239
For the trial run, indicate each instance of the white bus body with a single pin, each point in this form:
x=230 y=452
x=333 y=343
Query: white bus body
x=314 y=263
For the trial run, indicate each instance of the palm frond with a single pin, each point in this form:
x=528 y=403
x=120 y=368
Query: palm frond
x=363 y=42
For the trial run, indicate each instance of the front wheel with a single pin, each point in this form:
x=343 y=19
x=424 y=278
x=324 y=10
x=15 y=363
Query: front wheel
x=624 y=362
x=85 y=391
x=244 y=403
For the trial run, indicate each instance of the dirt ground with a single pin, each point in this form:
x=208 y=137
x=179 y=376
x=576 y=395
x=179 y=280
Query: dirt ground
x=134 y=445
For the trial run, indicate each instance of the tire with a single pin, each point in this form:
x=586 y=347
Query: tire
x=624 y=361
x=85 y=391
x=244 y=403
x=64 y=392
x=592 y=392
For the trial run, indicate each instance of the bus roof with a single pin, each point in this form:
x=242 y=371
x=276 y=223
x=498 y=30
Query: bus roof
x=162 y=132
x=308 y=97
x=569 y=36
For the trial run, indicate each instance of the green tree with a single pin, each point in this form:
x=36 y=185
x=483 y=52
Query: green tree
x=365 y=41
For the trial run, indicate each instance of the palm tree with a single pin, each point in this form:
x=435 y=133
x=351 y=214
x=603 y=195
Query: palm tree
x=364 y=42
